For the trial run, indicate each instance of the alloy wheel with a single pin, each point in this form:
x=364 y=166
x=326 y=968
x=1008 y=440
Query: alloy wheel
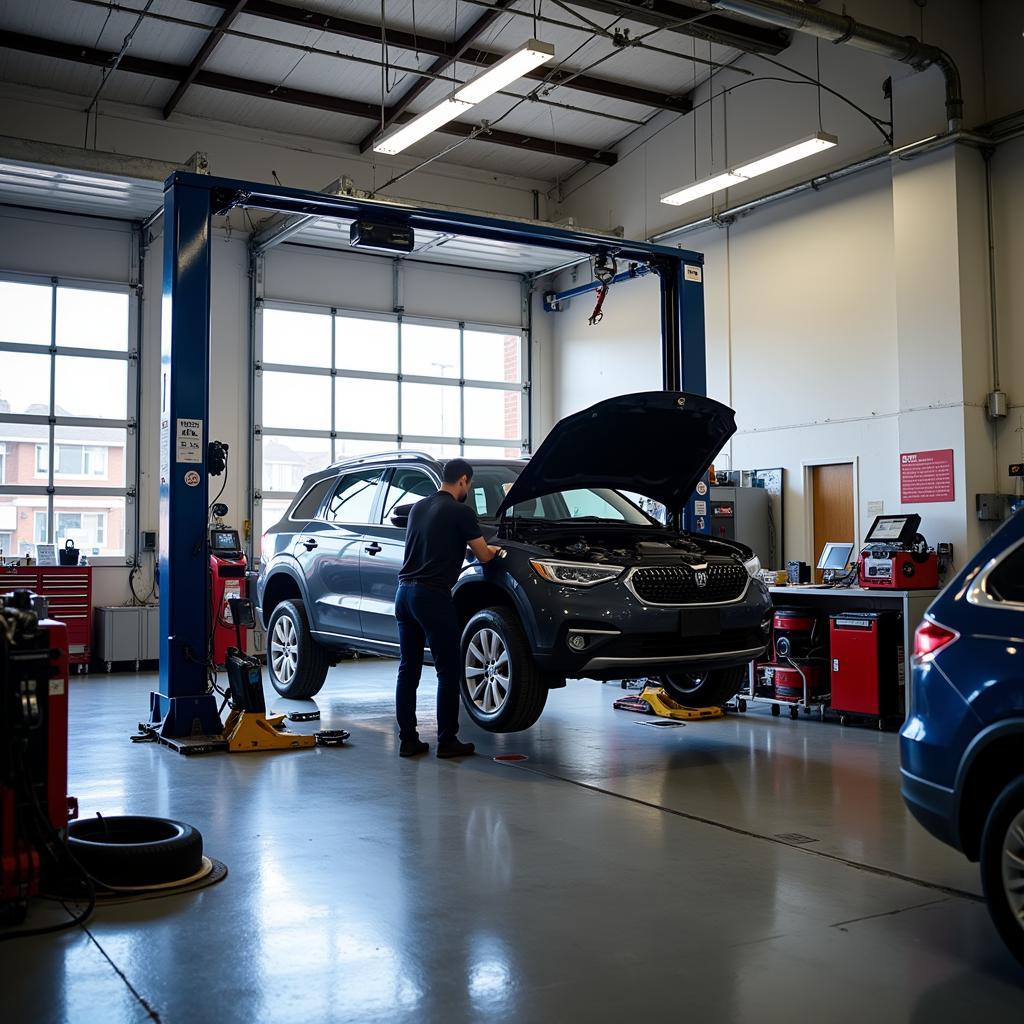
x=488 y=673
x=1013 y=867
x=284 y=649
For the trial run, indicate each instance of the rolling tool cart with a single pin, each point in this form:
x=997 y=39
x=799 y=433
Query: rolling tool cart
x=796 y=675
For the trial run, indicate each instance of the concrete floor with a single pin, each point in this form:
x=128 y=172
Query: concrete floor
x=622 y=873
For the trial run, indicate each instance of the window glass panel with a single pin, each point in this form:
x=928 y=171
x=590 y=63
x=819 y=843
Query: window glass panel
x=366 y=406
x=18 y=522
x=92 y=387
x=348 y=448
x=24 y=383
x=92 y=319
x=25 y=313
x=299 y=401
x=406 y=488
x=366 y=345
x=296 y=338
x=430 y=351
x=96 y=525
x=89 y=456
x=287 y=461
x=491 y=356
x=352 y=502
x=481 y=451
x=439 y=451
x=311 y=501
x=1007 y=580
x=493 y=414
x=430 y=409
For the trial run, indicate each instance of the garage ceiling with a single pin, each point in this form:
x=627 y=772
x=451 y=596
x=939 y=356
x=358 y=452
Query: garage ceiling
x=315 y=68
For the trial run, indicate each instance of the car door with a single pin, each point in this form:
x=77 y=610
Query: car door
x=332 y=573
x=381 y=557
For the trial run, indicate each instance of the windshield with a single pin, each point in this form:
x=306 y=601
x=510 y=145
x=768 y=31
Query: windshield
x=600 y=504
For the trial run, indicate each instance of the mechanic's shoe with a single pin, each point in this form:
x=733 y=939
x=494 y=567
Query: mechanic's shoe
x=412 y=748
x=453 y=748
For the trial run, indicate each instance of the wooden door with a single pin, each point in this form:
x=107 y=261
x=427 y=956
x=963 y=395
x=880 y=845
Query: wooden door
x=832 y=497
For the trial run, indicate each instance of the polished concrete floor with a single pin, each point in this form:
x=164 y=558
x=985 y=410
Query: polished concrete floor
x=747 y=869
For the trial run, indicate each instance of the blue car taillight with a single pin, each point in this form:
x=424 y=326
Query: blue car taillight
x=930 y=638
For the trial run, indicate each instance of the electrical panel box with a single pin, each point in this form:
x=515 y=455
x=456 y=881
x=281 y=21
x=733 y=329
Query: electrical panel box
x=130 y=633
x=741 y=513
x=992 y=508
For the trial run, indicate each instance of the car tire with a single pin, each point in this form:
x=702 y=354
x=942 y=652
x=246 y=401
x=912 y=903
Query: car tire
x=1002 y=865
x=296 y=663
x=704 y=688
x=500 y=701
x=136 y=851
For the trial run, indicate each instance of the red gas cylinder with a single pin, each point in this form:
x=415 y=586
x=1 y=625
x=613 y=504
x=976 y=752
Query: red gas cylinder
x=789 y=684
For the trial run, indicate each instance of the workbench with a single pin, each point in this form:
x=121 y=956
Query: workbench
x=910 y=604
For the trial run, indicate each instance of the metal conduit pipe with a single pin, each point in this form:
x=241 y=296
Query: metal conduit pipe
x=842 y=29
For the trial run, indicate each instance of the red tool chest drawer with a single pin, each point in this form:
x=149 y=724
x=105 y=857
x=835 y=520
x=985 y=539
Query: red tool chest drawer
x=68 y=589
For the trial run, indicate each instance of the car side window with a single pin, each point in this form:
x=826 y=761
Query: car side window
x=309 y=504
x=352 y=501
x=1007 y=580
x=407 y=487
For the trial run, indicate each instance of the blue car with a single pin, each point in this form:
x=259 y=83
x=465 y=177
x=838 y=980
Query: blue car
x=962 y=745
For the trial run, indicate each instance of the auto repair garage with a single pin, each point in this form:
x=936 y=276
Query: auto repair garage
x=641 y=379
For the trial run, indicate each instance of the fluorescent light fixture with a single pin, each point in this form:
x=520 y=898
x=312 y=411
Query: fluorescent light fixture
x=679 y=196
x=744 y=172
x=787 y=155
x=421 y=126
x=530 y=55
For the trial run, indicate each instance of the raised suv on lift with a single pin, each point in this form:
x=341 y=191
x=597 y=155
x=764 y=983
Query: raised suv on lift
x=591 y=585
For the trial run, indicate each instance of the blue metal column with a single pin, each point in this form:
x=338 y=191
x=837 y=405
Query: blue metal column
x=184 y=707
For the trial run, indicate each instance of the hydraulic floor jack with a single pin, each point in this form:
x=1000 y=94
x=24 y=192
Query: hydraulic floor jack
x=654 y=700
x=249 y=727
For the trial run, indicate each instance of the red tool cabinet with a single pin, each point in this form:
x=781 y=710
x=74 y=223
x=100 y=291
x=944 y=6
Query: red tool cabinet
x=68 y=591
x=867 y=658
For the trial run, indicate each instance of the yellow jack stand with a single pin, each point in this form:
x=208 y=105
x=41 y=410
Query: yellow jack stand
x=253 y=730
x=664 y=706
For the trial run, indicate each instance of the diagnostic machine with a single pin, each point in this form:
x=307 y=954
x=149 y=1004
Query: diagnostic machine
x=896 y=557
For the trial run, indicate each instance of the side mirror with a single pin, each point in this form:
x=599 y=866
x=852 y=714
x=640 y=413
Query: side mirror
x=400 y=516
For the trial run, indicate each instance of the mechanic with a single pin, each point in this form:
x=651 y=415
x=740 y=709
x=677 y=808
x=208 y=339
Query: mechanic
x=440 y=528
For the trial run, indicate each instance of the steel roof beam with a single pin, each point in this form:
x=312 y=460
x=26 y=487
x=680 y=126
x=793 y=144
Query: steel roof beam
x=209 y=45
x=673 y=15
x=439 y=66
x=370 y=33
x=282 y=94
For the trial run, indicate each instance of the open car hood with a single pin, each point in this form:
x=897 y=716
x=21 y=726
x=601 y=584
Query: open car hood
x=655 y=443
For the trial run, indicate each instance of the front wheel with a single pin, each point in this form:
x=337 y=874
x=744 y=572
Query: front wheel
x=1002 y=866
x=297 y=664
x=703 y=688
x=502 y=688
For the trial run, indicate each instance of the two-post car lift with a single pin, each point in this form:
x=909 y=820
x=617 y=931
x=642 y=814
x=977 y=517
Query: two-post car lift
x=184 y=707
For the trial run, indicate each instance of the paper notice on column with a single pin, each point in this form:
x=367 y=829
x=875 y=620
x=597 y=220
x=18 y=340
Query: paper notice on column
x=189 y=445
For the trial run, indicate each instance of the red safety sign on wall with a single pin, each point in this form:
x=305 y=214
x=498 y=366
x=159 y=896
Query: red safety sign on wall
x=926 y=476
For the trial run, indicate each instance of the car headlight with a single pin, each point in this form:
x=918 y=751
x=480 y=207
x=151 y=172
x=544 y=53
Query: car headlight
x=753 y=566
x=575 y=574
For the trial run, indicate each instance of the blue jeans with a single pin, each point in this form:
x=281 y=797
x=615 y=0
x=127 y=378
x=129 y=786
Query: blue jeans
x=427 y=617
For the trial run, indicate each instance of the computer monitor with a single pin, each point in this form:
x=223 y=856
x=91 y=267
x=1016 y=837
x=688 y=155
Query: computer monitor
x=893 y=529
x=835 y=555
x=225 y=540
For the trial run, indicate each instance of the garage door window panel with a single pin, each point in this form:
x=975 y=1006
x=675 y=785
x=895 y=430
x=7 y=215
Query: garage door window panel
x=431 y=410
x=366 y=406
x=299 y=401
x=287 y=460
x=370 y=345
x=430 y=351
x=67 y=423
x=296 y=338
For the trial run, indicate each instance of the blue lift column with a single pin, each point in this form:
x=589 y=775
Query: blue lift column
x=684 y=356
x=184 y=708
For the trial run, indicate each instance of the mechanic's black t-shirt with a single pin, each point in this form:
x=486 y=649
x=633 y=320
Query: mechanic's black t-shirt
x=435 y=542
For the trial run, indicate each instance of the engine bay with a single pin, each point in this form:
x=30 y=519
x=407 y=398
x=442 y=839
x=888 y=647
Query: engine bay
x=620 y=546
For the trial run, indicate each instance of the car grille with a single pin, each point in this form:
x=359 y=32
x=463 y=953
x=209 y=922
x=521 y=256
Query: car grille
x=676 y=584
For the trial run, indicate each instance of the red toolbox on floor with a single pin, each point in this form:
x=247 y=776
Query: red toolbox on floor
x=867 y=659
x=68 y=592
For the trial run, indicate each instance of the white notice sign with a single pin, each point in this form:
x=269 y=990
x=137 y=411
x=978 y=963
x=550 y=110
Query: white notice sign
x=190 y=441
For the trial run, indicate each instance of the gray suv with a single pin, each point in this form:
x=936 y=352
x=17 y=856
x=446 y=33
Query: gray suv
x=591 y=586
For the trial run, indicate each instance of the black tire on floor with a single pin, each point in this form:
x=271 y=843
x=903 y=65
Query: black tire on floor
x=1001 y=840
x=312 y=661
x=131 y=850
x=703 y=688
x=528 y=687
